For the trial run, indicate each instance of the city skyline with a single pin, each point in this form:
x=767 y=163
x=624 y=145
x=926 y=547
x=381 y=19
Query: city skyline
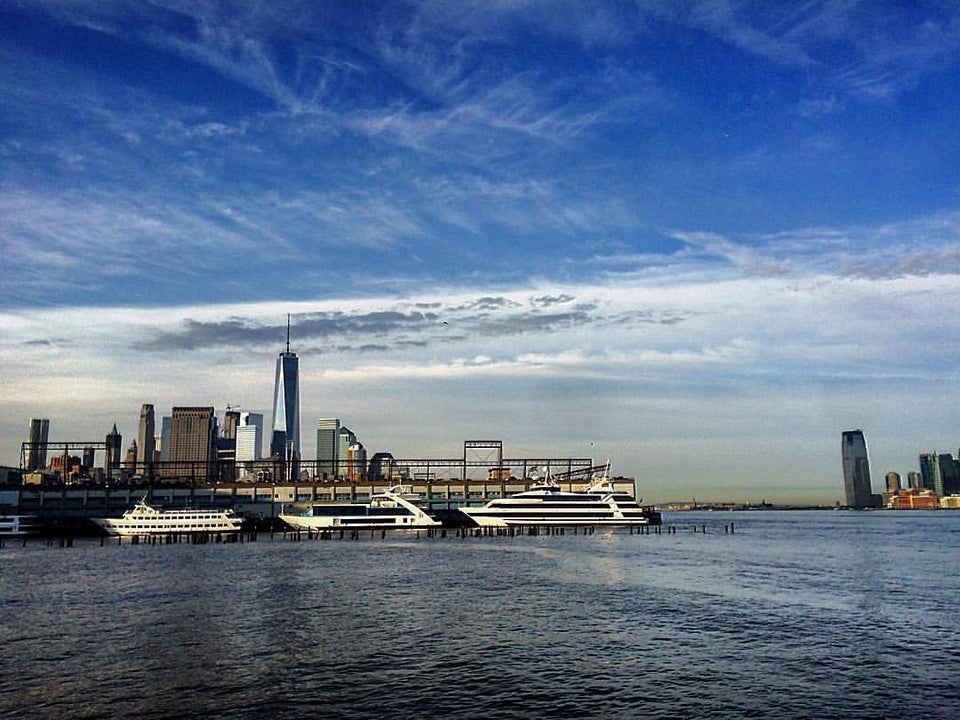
x=700 y=238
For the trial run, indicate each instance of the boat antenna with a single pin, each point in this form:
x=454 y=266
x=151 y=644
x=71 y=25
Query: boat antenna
x=288 y=333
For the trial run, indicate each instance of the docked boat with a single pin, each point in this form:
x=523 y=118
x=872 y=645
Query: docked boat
x=19 y=525
x=143 y=519
x=546 y=504
x=393 y=508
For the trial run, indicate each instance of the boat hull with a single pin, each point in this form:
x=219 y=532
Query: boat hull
x=359 y=522
x=502 y=521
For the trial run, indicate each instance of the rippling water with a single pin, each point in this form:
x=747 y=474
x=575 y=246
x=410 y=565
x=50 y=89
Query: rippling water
x=796 y=615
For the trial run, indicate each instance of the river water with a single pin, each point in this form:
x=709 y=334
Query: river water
x=794 y=615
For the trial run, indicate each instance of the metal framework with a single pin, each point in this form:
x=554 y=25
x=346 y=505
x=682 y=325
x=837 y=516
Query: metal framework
x=485 y=456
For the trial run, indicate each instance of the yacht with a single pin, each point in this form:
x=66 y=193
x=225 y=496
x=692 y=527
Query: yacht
x=144 y=519
x=600 y=505
x=393 y=508
x=19 y=525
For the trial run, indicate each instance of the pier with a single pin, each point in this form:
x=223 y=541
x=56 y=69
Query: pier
x=518 y=532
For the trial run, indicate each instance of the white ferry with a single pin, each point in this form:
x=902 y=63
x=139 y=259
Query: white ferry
x=391 y=509
x=600 y=505
x=143 y=519
x=19 y=525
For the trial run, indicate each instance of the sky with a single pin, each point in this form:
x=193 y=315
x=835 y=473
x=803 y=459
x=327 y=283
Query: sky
x=700 y=239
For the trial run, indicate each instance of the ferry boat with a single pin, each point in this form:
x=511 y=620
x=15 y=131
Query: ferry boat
x=19 y=525
x=393 y=508
x=600 y=505
x=144 y=519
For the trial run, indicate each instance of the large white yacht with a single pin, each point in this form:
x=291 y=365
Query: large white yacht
x=393 y=508
x=546 y=504
x=144 y=519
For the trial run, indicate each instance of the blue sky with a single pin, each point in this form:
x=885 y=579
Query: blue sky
x=702 y=238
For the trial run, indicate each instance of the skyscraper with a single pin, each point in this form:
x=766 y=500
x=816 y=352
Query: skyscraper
x=949 y=474
x=328 y=446
x=193 y=443
x=249 y=437
x=930 y=472
x=145 y=439
x=165 y=438
x=111 y=460
x=285 y=435
x=231 y=421
x=856 y=470
x=36 y=450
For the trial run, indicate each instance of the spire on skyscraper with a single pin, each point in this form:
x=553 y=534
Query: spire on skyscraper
x=285 y=435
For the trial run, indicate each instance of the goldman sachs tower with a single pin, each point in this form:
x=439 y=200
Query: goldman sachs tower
x=285 y=440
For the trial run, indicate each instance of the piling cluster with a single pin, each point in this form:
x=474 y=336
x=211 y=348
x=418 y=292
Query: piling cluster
x=201 y=538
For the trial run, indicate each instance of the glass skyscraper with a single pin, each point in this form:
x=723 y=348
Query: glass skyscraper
x=285 y=436
x=328 y=446
x=36 y=449
x=857 y=490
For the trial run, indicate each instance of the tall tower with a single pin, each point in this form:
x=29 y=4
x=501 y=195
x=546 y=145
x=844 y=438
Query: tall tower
x=328 y=446
x=36 y=451
x=146 y=442
x=114 y=444
x=285 y=436
x=856 y=470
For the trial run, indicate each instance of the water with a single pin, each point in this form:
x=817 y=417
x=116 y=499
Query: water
x=796 y=615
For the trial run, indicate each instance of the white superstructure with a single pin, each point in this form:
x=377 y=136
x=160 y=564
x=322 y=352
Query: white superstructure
x=143 y=519
x=601 y=504
x=390 y=509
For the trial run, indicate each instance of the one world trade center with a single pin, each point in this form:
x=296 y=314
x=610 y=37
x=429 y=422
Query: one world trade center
x=285 y=440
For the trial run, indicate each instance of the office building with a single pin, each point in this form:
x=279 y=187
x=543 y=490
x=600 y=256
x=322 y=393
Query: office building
x=345 y=439
x=89 y=455
x=893 y=482
x=193 y=444
x=145 y=440
x=285 y=429
x=356 y=465
x=328 y=447
x=36 y=450
x=381 y=466
x=930 y=472
x=231 y=421
x=856 y=470
x=131 y=459
x=249 y=438
x=914 y=480
x=949 y=474
x=165 y=439
x=112 y=459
